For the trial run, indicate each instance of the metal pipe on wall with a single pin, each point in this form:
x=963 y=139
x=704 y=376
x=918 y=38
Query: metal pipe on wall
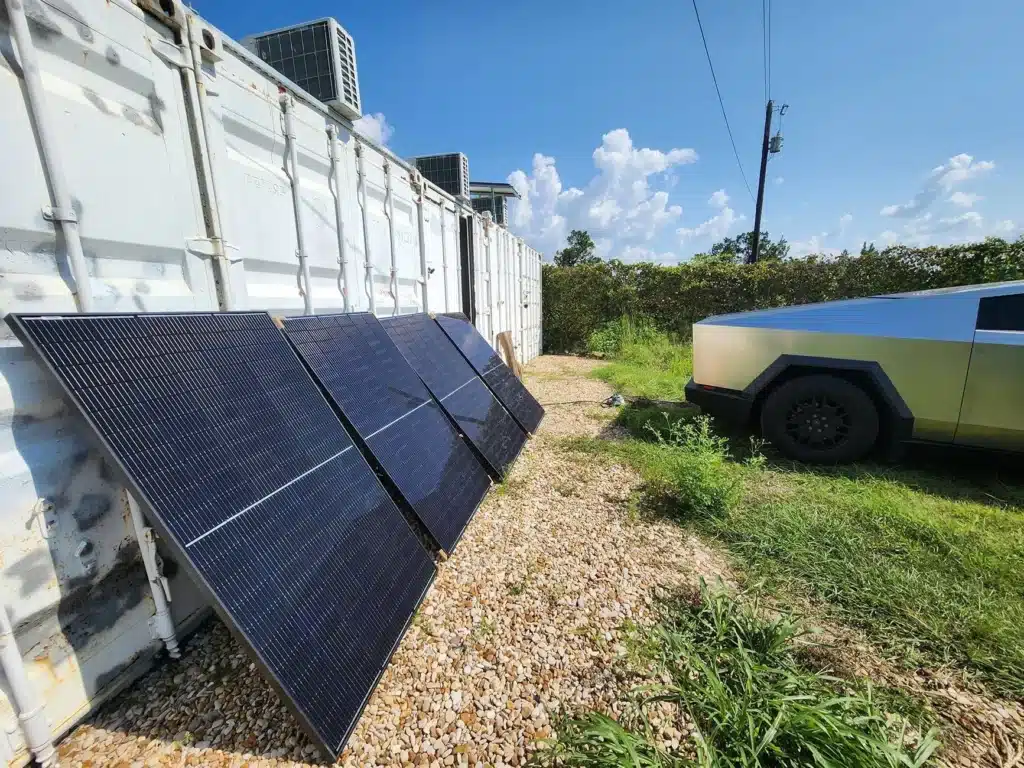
x=444 y=252
x=389 y=211
x=334 y=146
x=62 y=212
x=288 y=107
x=421 y=221
x=27 y=703
x=163 y=624
x=523 y=281
x=371 y=289
x=196 y=93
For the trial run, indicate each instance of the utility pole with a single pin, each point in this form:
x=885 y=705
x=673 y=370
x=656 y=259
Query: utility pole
x=756 y=245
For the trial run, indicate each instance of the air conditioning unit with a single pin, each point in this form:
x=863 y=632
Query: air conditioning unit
x=497 y=206
x=449 y=172
x=318 y=56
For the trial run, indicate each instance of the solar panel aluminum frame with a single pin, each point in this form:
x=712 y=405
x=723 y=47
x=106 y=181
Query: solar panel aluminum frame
x=14 y=321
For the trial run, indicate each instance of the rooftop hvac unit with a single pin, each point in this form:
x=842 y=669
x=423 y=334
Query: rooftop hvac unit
x=318 y=56
x=449 y=172
x=496 y=205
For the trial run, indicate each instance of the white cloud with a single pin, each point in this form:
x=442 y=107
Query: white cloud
x=618 y=206
x=964 y=199
x=1004 y=227
x=844 y=222
x=778 y=181
x=375 y=127
x=942 y=179
x=717 y=226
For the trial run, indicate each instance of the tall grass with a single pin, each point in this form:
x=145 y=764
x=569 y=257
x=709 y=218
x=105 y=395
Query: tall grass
x=731 y=677
x=929 y=562
x=644 y=362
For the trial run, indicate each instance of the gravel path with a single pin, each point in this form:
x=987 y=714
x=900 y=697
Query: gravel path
x=521 y=622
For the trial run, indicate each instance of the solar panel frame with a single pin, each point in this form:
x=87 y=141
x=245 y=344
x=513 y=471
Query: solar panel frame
x=325 y=343
x=16 y=322
x=445 y=371
x=486 y=361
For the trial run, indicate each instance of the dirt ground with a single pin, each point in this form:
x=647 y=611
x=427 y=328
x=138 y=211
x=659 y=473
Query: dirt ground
x=524 y=621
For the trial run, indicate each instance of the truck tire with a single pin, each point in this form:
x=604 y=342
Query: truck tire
x=820 y=419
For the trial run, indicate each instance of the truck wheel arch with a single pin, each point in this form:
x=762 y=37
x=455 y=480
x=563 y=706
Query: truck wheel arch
x=896 y=417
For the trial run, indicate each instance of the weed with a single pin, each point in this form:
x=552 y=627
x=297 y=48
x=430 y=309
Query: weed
x=732 y=674
x=647 y=363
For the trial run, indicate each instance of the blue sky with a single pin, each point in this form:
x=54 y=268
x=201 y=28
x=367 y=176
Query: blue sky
x=905 y=119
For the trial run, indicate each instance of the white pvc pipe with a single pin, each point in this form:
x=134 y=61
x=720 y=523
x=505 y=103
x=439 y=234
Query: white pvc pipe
x=421 y=221
x=62 y=212
x=163 y=624
x=444 y=252
x=336 y=152
x=27 y=703
x=371 y=289
x=287 y=106
x=389 y=211
x=196 y=88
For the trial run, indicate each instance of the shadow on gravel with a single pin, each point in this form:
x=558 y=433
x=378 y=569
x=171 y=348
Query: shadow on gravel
x=212 y=697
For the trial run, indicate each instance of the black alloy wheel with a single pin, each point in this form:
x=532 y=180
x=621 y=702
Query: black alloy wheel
x=820 y=419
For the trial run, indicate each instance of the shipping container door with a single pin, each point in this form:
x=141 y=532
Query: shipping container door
x=72 y=576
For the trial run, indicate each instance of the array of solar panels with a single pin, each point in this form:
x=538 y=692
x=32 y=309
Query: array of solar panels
x=305 y=474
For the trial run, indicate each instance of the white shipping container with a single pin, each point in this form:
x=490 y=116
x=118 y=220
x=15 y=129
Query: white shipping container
x=180 y=179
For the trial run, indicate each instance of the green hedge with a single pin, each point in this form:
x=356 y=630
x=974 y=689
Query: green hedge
x=578 y=300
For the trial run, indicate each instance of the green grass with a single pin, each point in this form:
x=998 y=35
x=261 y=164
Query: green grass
x=733 y=673
x=929 y=561
x=644 y=362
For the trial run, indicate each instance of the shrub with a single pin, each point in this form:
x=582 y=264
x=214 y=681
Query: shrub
x=577 y=301
x=611 y=338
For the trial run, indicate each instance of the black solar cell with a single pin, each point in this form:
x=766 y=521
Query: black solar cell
x=509 y=390
x=460 y=391
x=388 y=406
x=249 y=475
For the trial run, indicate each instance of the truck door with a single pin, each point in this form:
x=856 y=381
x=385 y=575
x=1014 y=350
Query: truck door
x=992 y=413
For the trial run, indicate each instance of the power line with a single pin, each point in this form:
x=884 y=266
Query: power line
x=769 y=48
x=764 y=45
x=720 y=102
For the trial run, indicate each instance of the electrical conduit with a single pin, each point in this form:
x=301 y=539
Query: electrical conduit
x=62 y=212
x=288 y=107
x=27 y=703
x=389 y=211
x=421 y=221
x=371 y=291
x=444 y=252
x=334 y=146
x=163 y=624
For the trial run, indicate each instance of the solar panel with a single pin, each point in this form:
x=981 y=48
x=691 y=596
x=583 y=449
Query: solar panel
x=249 y=475
x=389 y=408
x=488 y=364
x=450 y=379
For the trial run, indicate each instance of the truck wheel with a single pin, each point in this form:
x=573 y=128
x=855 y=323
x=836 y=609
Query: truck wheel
x=820 y=419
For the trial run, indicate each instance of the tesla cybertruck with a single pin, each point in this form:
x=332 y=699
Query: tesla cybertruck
x=831 y=382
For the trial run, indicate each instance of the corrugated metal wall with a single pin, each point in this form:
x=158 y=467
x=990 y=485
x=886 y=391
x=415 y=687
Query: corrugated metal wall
x=72 y=577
